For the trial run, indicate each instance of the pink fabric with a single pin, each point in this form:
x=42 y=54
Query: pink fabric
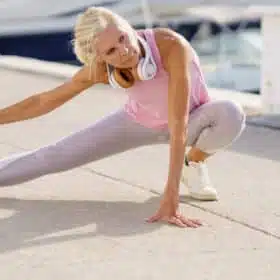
x=148 y=100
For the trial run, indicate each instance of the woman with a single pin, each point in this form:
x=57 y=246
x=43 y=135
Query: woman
x=168 y=102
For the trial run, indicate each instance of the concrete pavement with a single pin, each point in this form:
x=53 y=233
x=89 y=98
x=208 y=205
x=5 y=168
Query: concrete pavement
x=88 y=223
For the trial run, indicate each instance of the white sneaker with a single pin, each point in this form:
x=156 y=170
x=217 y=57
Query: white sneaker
x=196 y=178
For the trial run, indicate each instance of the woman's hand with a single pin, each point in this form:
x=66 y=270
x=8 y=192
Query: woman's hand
x=168 y=212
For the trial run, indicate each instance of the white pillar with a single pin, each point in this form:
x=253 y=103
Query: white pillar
x=147 y=13
x=270 y=72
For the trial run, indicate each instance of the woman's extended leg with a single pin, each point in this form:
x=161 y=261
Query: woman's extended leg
x=110 y=135
x=212 y=127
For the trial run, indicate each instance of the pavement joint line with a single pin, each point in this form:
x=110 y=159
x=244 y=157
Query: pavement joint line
x=120 y=180
x=215 y=213
x=229 y=218
x=264 y=125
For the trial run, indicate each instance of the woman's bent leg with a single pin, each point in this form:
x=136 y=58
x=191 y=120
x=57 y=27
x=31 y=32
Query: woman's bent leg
x=212 y=127
x=215 y=125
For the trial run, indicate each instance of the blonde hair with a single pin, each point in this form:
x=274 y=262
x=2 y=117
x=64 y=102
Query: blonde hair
x=88 y=25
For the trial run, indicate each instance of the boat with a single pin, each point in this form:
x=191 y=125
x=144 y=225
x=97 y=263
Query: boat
x=45 y=31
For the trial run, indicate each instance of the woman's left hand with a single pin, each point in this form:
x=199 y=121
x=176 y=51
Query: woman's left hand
x=168 y=212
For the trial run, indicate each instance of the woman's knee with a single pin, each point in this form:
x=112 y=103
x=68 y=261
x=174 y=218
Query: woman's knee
x=231 y=117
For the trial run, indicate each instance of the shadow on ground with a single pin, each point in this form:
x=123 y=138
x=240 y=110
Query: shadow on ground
x=33 y=221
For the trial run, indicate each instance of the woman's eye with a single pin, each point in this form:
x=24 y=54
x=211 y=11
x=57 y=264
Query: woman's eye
x=110 y=51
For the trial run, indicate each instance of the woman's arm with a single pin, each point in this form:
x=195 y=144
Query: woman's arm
x=175 y=60
x=45 y=102
x=176 y=63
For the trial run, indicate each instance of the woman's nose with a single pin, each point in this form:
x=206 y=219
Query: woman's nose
x=124 y=50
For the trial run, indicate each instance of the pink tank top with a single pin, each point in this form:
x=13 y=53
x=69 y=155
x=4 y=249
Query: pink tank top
x=148 y=100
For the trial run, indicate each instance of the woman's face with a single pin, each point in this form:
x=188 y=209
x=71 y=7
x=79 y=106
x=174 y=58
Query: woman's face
x=117 y=47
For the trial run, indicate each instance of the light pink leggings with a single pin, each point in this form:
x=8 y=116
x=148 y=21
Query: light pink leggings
x=212 y=126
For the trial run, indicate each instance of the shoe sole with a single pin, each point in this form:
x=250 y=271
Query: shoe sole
x=203 y=197
x=198 y=196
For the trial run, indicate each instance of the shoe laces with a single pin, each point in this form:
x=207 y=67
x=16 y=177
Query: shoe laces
x=204 y=179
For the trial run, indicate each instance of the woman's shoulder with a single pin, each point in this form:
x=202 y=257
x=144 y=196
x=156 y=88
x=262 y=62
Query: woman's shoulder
x=168 y=33
x=168 y=41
